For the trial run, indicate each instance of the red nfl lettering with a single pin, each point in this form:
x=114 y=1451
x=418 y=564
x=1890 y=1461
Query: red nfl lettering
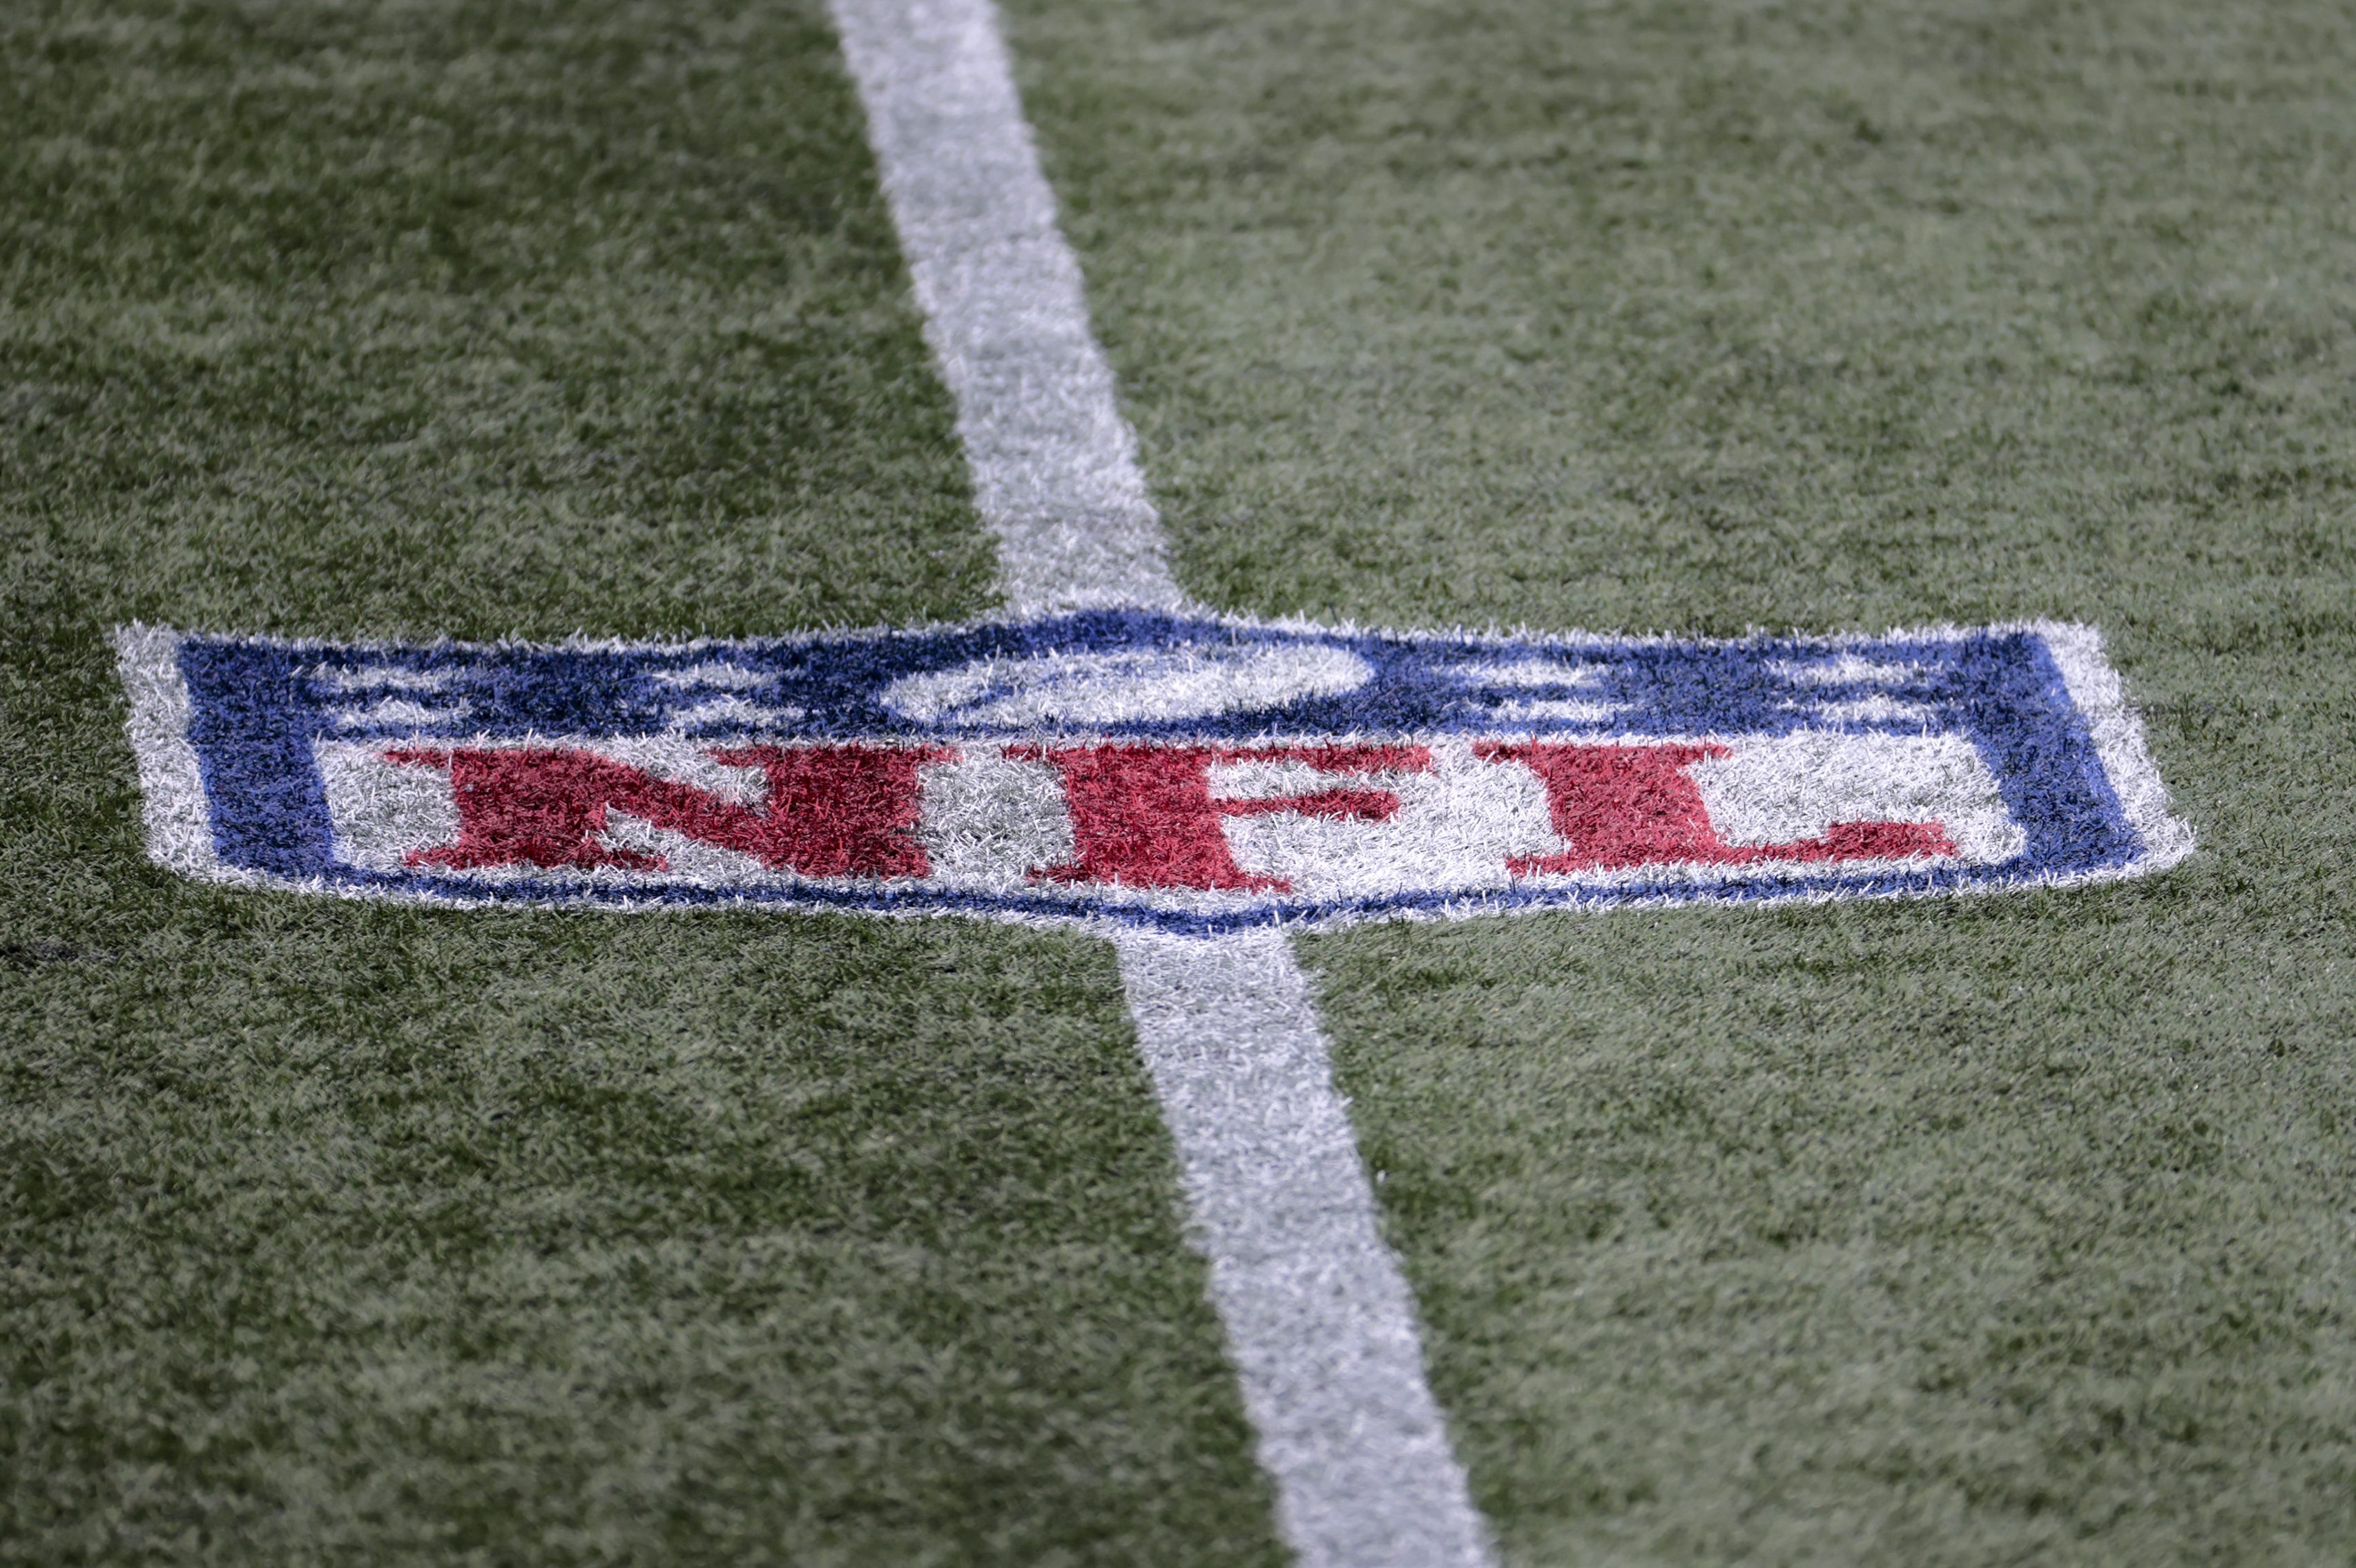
x=1621 y=806
x=831 y=811
x=1144 y=816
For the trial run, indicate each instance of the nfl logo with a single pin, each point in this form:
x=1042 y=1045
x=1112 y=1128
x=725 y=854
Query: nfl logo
x=1182 y=775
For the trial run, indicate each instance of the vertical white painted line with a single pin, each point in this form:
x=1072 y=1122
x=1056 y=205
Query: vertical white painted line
x=171 y=780
x=1055 y=464
x=1319 y=1320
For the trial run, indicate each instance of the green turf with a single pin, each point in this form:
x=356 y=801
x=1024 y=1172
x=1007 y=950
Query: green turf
x=2005 y=1231
x=343 y=1234
x=465 y=319
x=358 y=1234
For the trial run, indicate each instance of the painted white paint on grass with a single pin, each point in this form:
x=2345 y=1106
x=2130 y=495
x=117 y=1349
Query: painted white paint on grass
x=2099 y=694
x=1055 y=464
x=171 y=780
x=1319 y=1320
x=1317 y=1316
x=1053 y=691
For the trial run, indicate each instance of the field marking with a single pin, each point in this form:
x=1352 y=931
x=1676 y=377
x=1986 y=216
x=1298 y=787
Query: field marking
x=2095 y=687
x=1319 y=1321
x=171 y=780
x=1055 y=464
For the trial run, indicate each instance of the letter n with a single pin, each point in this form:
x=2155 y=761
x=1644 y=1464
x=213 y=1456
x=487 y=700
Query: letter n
x=831 y=811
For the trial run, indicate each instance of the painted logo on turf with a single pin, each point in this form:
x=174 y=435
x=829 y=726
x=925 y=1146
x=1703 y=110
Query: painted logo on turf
x=1186 y=775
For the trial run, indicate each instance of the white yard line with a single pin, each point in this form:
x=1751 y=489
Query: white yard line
x=1055 y=466
x=1320 y=1322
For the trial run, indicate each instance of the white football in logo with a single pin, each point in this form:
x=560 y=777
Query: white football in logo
x=1188 y=681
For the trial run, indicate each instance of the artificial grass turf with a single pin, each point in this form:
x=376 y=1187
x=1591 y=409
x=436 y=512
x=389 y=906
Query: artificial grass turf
x=1961 y=1233
x=375 y=1235
x=470 y=321
x=2012 y=1229
x=365 y=1234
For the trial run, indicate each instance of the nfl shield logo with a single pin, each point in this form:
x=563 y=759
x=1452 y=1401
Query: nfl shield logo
x=1184 y=774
